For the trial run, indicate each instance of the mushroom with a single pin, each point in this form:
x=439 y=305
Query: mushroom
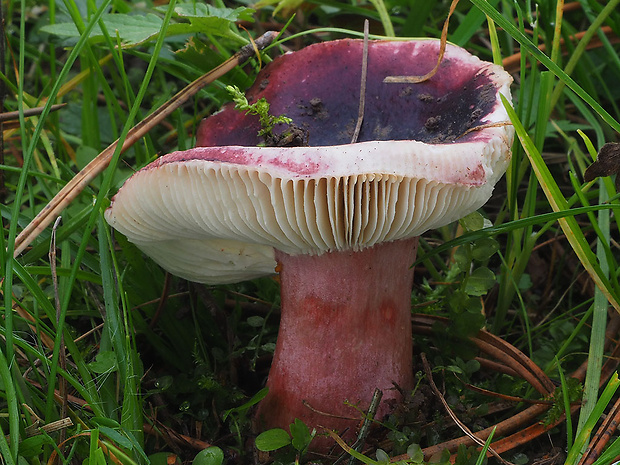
x=339 y=221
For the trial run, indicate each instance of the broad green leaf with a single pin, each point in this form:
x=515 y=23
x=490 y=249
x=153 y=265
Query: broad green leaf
x=132 y=29
x=209 y=456
x=210 y=19
x=137 y=29
x=272 y=439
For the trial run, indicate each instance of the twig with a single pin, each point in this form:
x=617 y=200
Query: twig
x=360 y=113
x=13 y=115
x=485 y=126
x=57 y=425
x=602 y=436
x=326 y=414
x=508 y=398
x=459 y=423
x=442 y=50
x=73 y=188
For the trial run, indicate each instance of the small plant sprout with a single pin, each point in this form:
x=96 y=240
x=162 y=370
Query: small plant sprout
x=261 y=109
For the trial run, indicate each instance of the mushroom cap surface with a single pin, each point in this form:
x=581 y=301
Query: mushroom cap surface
x=216 y=213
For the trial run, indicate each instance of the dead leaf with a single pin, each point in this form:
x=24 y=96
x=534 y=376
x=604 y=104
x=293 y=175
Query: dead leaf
x=607 y=163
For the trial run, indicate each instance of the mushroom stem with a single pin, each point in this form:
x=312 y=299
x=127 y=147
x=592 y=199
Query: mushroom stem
x=345 y=331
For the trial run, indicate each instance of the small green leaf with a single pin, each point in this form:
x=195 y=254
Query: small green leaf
x=462 y=257
x=272 y=439
x=414 y=451
x=301 y=434
x=467 y=324
x=480 y=281
x=256 y=321
x=209 y=456
x=164 y=382
x=33 y=446
x=382 y=456
x=484 y=248
x=525 y=282
x=105 y=362
x=472 y=222
x=269 y=347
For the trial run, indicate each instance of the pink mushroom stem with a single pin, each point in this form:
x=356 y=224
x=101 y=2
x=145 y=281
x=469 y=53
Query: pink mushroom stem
x=345 y=331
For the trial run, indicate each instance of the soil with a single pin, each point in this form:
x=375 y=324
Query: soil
x=294 y=136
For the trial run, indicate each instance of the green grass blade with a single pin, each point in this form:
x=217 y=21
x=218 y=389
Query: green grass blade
x=599 y=320
x=105 y=188
x=583 y=43
x=525 y=42
x=386 y=21
x=511 y=226
x=557 y=201
x=9 y=451
x=469 y=25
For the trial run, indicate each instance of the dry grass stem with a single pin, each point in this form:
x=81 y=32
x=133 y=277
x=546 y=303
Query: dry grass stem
x=459 y=423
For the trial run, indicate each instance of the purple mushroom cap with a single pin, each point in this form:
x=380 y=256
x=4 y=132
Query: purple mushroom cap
x=318 y=87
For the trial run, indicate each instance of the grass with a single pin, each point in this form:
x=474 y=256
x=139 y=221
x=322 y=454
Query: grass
x=105 y=338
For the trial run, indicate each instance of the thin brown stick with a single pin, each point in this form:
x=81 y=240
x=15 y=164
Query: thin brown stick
x=14 y=115
x=516 y=422
x=508 y=398
x=360 y=113
x=486 y=126
x=307 y=405
x=459 y=423
x=602 y=436
x=442 y=50
x=73 y=188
